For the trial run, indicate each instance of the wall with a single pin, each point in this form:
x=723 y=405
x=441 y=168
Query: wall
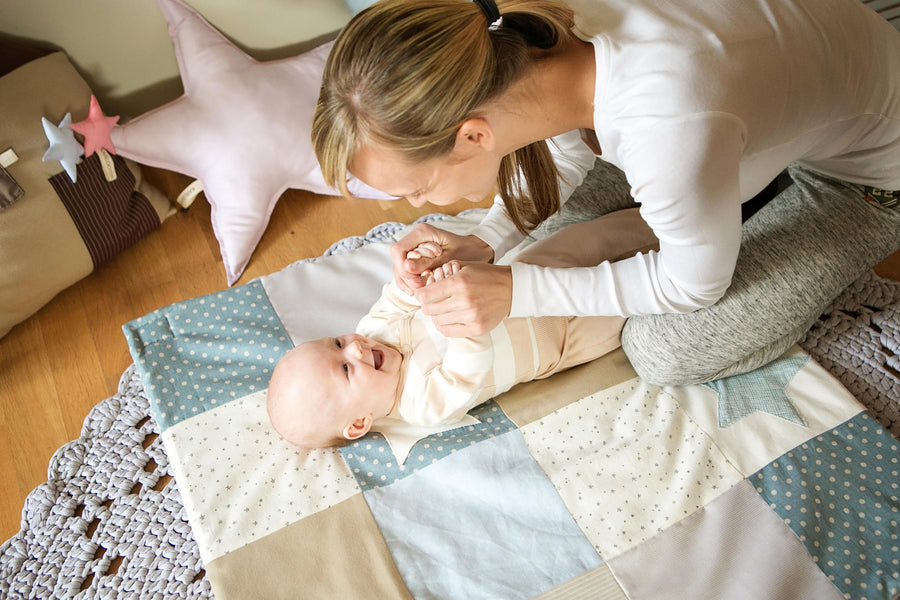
x=123 y=50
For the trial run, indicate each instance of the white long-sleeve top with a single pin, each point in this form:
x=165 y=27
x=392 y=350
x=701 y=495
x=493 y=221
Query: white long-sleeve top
x=702 y=104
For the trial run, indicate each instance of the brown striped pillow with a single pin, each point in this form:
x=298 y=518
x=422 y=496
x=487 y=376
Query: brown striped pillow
x=54 y=232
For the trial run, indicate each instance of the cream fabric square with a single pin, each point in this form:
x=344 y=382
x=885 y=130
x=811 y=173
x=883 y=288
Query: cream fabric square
x=628 y=463
x=241 y=481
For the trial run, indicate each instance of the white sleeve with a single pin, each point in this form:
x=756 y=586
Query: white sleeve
x=391 y=306
x=497 y=230
x=573 y=160
x=685 y=175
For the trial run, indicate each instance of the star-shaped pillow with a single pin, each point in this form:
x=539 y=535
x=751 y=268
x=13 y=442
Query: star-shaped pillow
x=242 y=128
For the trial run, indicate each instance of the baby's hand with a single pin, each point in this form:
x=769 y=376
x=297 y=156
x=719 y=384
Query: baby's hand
x=442 y=272
x=425 y=250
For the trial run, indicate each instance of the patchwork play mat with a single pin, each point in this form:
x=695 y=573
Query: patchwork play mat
x=591 y=484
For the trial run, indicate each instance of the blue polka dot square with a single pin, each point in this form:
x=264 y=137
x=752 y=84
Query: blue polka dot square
x=374 y=465
x=198 y=354
x=839 y=493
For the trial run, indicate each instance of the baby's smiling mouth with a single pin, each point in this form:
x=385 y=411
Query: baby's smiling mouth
x=378 y=355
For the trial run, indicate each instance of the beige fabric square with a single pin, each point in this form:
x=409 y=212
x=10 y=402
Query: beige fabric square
x=40 y=248
x=336 y=553
x=528 y=402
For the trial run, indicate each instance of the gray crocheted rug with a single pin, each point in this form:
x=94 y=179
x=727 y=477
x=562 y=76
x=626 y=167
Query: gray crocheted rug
x=857 y=339
x=110 y=522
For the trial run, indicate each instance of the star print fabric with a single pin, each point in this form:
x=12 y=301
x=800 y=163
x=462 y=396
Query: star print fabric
x=628 y=437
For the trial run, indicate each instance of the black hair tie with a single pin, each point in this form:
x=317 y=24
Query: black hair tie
x=491 y=12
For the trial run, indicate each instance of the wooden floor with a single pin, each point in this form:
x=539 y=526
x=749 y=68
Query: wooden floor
x=57 y=365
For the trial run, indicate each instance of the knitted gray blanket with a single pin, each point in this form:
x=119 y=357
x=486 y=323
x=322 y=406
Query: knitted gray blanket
x=109 y=522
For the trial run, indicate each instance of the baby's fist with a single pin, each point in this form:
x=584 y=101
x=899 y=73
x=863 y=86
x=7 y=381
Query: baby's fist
x=441 y=272
x=425 y=250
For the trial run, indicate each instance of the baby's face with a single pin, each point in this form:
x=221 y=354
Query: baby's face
x=358 y=374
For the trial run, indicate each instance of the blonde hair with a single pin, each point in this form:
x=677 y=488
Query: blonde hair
x=406 y=74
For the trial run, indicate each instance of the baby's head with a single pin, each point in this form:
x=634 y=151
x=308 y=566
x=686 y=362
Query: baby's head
x=327 y=392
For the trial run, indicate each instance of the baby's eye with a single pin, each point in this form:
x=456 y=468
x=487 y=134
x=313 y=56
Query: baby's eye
x=337 y=343
x=345 y=368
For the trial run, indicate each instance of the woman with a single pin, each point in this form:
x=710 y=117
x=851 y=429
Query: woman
x=701 y=105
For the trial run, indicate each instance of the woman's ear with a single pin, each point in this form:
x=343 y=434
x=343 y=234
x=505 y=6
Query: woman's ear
x=474 y=134
x=357 y=428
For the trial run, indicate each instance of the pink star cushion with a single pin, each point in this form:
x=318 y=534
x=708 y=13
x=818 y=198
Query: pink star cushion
x=242 y=128
x=95 y=129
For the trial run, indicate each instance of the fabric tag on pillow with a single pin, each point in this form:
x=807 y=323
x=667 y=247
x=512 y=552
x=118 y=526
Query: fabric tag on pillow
x=110 y=215
x=10 y=190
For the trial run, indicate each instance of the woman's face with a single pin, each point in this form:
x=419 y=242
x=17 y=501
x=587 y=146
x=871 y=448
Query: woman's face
x=441 y=181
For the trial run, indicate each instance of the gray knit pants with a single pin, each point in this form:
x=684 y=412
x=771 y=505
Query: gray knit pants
x=797 y=254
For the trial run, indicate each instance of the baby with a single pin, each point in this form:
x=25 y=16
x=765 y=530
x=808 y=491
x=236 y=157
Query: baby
x=397 y=365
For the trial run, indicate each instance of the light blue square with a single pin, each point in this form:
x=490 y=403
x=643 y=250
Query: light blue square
x=483 y=522
x=373 y=463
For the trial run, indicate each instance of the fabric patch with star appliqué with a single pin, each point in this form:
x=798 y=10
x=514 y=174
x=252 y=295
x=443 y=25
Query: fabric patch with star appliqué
x=760 y=390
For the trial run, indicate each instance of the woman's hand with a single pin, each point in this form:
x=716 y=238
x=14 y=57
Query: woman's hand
x=426 y=248
x=468 y=301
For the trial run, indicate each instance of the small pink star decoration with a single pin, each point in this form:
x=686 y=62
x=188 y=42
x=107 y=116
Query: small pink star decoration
x=95 y=129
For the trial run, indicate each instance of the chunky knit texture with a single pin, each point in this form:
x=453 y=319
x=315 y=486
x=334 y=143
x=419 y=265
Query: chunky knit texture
x=857 y=339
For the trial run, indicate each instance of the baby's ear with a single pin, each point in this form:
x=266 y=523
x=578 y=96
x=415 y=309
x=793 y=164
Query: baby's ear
x=358 y=428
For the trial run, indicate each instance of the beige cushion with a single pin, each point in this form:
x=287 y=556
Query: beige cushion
x=41 y=249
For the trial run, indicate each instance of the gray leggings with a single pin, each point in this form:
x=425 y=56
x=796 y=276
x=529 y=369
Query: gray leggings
x=797 y=254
